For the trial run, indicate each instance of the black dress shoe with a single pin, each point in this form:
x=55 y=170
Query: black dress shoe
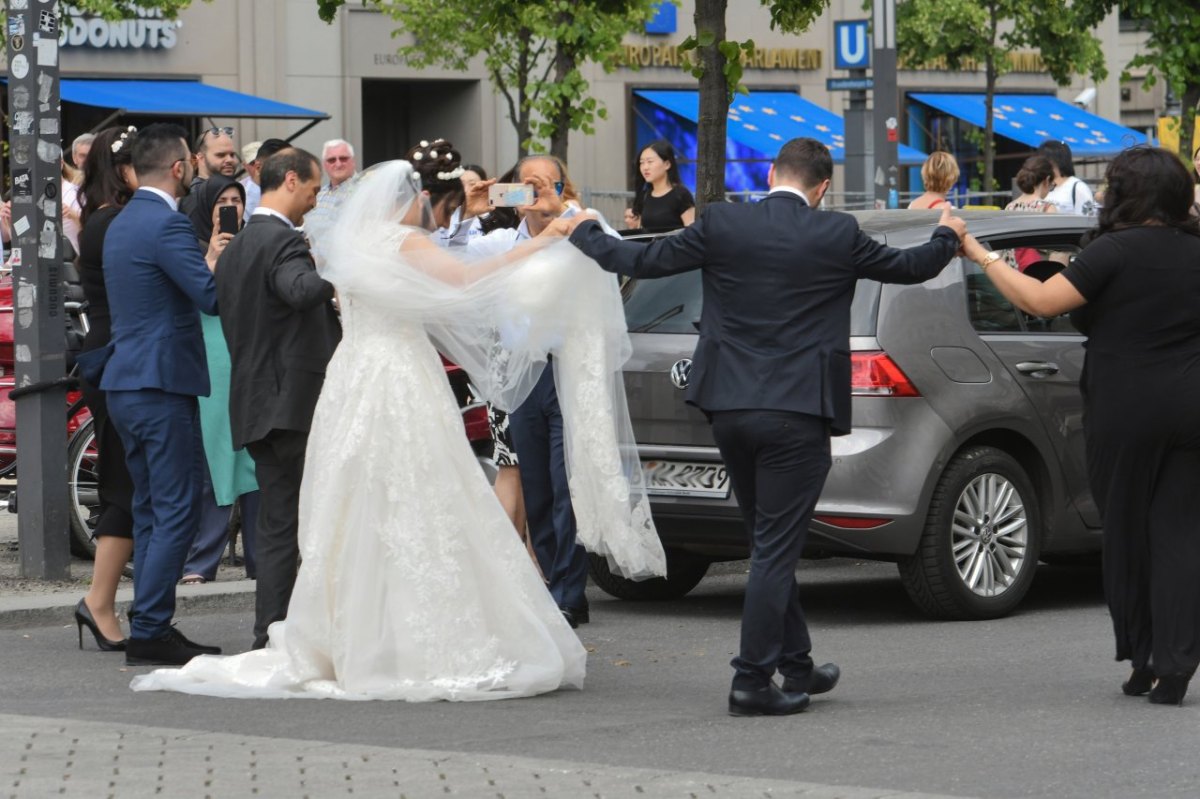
x=207 y=650
x=576 y=616
x=1170 y=689
x=769 y=701
x=822 y=681
x=84 y=618
x=170 y=649
x=1139 y=683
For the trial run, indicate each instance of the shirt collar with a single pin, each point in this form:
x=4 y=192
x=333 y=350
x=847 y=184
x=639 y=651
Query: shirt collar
x=171 y=201
x=261 y=211
x=789 y=190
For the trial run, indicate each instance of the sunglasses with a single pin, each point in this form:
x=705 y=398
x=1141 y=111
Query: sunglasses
x=337 y=159
x=216 y=132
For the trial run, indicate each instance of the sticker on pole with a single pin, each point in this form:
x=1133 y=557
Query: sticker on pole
x=19 y=66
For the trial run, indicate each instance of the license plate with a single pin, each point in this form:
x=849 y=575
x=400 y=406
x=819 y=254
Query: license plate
x=686 y=479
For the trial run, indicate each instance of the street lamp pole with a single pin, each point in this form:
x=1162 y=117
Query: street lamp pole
x=39 y=325
x=887 y=100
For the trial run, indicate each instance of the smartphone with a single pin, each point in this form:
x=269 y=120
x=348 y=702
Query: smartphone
x=510 y=195
x=228 y=219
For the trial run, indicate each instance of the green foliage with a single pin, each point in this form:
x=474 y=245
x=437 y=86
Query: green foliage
x=961 y=34
x=533 y=51
x=108 y=9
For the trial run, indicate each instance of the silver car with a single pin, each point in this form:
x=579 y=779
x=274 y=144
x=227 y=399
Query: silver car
x=966 y=462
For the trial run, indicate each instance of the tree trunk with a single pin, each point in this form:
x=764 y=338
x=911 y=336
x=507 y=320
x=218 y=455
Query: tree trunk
x=1187 y=121
x=565 y=62
x=989 y=144
x=522 y=120
x=714 y=103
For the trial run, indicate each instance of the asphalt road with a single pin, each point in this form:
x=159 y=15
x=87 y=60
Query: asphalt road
x=1024 y=706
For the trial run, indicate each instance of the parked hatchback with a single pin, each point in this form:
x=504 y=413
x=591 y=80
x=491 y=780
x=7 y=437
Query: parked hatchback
x=966 y=462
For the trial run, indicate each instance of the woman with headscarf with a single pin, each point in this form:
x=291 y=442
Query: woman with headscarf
x=230 y=473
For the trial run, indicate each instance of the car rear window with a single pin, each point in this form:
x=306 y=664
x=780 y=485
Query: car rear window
x=672 y=305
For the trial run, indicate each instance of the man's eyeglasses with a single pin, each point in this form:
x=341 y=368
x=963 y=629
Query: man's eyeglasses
x=337 y=159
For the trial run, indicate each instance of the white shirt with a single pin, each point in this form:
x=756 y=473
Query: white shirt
x=253 y=195
x=171 y=201
x=70 y=213
x=789 y=190
x=501 y=241
x=260 y=211
x=1073 y=197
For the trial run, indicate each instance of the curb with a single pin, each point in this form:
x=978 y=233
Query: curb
x=44 y=610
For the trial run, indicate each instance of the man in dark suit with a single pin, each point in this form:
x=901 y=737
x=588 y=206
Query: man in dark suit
x=157 y=278
x=281 y=328
x=772 y=372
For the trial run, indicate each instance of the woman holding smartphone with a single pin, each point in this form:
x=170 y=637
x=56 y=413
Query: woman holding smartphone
x=220 y=204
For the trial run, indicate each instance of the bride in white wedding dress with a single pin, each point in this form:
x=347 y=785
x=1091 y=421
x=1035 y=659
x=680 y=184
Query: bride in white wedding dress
x=412 y=585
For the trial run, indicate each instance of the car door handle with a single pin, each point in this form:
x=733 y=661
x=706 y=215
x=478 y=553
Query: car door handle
x=1037 y=368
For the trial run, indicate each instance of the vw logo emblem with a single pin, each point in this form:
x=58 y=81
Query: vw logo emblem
x=680 y=373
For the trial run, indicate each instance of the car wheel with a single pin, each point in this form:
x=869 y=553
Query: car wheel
x=83 y=489
x=979 y=550
x=684 y=572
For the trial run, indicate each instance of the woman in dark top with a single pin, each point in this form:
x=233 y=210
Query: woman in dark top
x=663 y=202
x=1140 y=280
x=108 y=183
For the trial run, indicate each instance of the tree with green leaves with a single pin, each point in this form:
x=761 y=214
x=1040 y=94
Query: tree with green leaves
x=106 y=9
x=533 y=53
x=718 y=66
x=1171 y=51
x=965 y=33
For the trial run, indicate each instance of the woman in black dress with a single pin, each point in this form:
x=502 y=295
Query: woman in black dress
x=663 y=202
x=1139 y=278
x=108 y=183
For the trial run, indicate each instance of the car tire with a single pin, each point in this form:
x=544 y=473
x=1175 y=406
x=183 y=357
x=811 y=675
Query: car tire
x=82 y=489
x=684 y=572
x=967 y=566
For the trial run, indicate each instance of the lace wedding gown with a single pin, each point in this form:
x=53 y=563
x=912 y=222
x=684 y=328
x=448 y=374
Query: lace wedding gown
x=413 y=584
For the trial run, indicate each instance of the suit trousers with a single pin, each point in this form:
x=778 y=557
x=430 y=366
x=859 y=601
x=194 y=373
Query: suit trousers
x=279 y=467
x=537 y=435
x=777 y=462
x=165 y=456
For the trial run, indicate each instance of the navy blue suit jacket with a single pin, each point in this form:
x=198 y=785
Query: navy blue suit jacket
x=779 y=278
x=156 y=278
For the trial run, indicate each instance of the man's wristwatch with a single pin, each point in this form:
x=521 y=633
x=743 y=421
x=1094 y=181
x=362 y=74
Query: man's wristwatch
x=989 y=258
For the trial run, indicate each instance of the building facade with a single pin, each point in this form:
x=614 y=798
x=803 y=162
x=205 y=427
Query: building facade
x=279 y=49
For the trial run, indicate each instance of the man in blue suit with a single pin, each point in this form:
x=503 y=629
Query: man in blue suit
x=772 y=373
x=157 y=278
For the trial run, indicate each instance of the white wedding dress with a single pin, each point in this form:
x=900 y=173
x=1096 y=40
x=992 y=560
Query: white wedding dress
x=413 y=584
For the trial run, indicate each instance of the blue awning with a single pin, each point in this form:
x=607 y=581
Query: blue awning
x=1033 y=118
x=763 y=121
x=178 y=98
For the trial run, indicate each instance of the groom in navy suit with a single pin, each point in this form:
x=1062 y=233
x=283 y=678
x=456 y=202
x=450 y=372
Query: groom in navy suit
x=157 y=277
x=772 y=373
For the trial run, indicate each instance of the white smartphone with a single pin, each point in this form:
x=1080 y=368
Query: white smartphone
x=510 y=195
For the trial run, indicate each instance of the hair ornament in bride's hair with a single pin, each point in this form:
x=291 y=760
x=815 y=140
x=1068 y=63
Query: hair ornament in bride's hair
x=453 y=174
x=120 y=142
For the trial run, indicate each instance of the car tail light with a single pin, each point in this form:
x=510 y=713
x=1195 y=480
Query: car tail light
x=874 y=374
x=852 y=522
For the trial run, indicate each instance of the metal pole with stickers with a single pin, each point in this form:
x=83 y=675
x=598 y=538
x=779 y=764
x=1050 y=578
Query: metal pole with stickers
x=39 y=324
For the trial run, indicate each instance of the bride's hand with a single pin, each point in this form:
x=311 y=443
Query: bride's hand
x=476 y=203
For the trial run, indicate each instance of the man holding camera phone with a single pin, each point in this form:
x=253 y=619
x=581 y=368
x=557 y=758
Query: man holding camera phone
x=537 y=425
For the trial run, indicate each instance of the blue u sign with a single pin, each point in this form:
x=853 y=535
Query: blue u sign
x=851 y=46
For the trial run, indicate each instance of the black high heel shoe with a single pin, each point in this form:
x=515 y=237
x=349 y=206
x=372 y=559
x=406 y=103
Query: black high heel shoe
x=1170 y=689
x=83 y=617
x=1139 y=683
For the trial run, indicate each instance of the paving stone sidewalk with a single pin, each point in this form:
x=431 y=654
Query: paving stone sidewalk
x=43 y=757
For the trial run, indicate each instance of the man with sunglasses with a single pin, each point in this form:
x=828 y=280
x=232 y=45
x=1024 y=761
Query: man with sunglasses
x=537 y=425
x=337 y=159
x=214 y=153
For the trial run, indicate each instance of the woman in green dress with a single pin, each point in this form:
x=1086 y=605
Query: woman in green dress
x=230 y=473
